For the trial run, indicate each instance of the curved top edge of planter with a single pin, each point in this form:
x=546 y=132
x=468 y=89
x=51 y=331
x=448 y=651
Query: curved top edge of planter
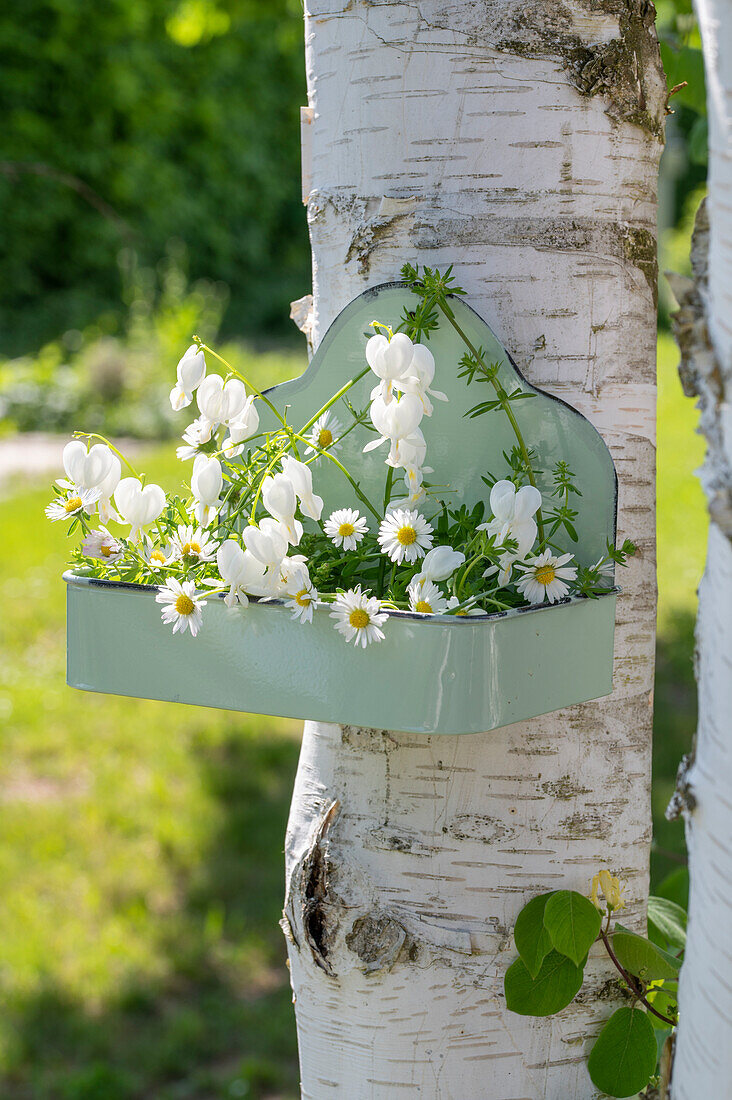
x=459 y=449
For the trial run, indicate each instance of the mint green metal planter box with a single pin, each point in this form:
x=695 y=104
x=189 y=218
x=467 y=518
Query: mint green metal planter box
x=429 y=675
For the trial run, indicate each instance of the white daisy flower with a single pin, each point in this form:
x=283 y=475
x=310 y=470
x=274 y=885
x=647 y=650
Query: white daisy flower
x=158 y=557
x=181 y=606
x=324 y=434
x=405 y=535
x=76 y=500
x=426 y=598
x=345 y=528
x=303 y=602
x=544 y=577
x=193 y=545
x=358 y=617
x=100 y=544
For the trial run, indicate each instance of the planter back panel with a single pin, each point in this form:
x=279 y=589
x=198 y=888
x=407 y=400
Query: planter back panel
x=459 y=448
x=472 y=674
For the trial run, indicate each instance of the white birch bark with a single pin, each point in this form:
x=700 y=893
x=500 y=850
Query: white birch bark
x=703 y=1060
x=519 y=142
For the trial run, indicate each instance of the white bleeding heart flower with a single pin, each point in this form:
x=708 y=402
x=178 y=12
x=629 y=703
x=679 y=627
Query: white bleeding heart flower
x=390 y=360
x=396 y=421
x=98 y=468
x=241 y=570
x=421 y=375
x=279 y=498
x=439 y=563
x=195 y=435
x=240 y=428
x=267 y=542
x=221 y=402
x=136 y=505
x=513 y=517
x=191 y=372
x=87 y=469
x=206 y=484
x=410 y=451
x=301 y=477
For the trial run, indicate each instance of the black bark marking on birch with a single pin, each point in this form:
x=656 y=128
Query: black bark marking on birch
x=564 y=788
x=377 y=941
x=310 y=904
x=482 y=827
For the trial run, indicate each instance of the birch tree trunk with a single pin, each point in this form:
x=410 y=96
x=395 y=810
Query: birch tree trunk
x=519 y=142
x=703 y=1061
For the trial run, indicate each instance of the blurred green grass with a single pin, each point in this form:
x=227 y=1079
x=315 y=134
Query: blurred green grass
x=142 y=870
x=141 y=843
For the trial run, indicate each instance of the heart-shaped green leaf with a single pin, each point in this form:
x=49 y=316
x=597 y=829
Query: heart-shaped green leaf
x=556 y=984
x=533 y=941
x=669 y=919
x=573 y=923
x=644 y=959
x=624 y=1056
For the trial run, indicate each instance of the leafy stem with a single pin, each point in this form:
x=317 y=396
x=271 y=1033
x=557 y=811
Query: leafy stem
x=634 y=984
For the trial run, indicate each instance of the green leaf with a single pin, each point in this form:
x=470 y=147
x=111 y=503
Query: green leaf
x=644 y=959
x=669 y=919
x=556 y=984
x=533 y=942
x=573 y=923
x=624 y=1056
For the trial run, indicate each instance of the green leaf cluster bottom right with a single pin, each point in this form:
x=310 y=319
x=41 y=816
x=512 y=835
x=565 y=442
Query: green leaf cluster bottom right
x=554 y=933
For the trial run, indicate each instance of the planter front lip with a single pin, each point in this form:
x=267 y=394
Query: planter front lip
x=459 y=621
x=464 y=675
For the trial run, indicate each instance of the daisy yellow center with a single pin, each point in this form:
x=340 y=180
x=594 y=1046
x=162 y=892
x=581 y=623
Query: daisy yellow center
x=545 y=574
x=158 y=555
x=359 y=618
x=303 y=598
x=106 y=551
x=406 y=535
x=184 y=605
x=72 y=504
x=325 y=438
x=346 y=529
x=423 y=607
x=191 y=548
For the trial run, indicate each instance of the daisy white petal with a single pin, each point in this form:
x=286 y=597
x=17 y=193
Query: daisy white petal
x=324 y=434
x=181 y=606
x=405 y=536
x=358 y=617
x=193 y=545
x=426 y=598
x=76 y=501
x=345 y=528
x=545 y=577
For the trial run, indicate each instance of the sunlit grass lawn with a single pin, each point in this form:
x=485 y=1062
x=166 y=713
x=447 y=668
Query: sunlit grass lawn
x=682 y=535
x=141 y=869
x=141 y=843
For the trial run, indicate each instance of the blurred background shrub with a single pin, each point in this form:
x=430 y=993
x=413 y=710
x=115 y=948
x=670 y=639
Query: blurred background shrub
x=128 y=123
